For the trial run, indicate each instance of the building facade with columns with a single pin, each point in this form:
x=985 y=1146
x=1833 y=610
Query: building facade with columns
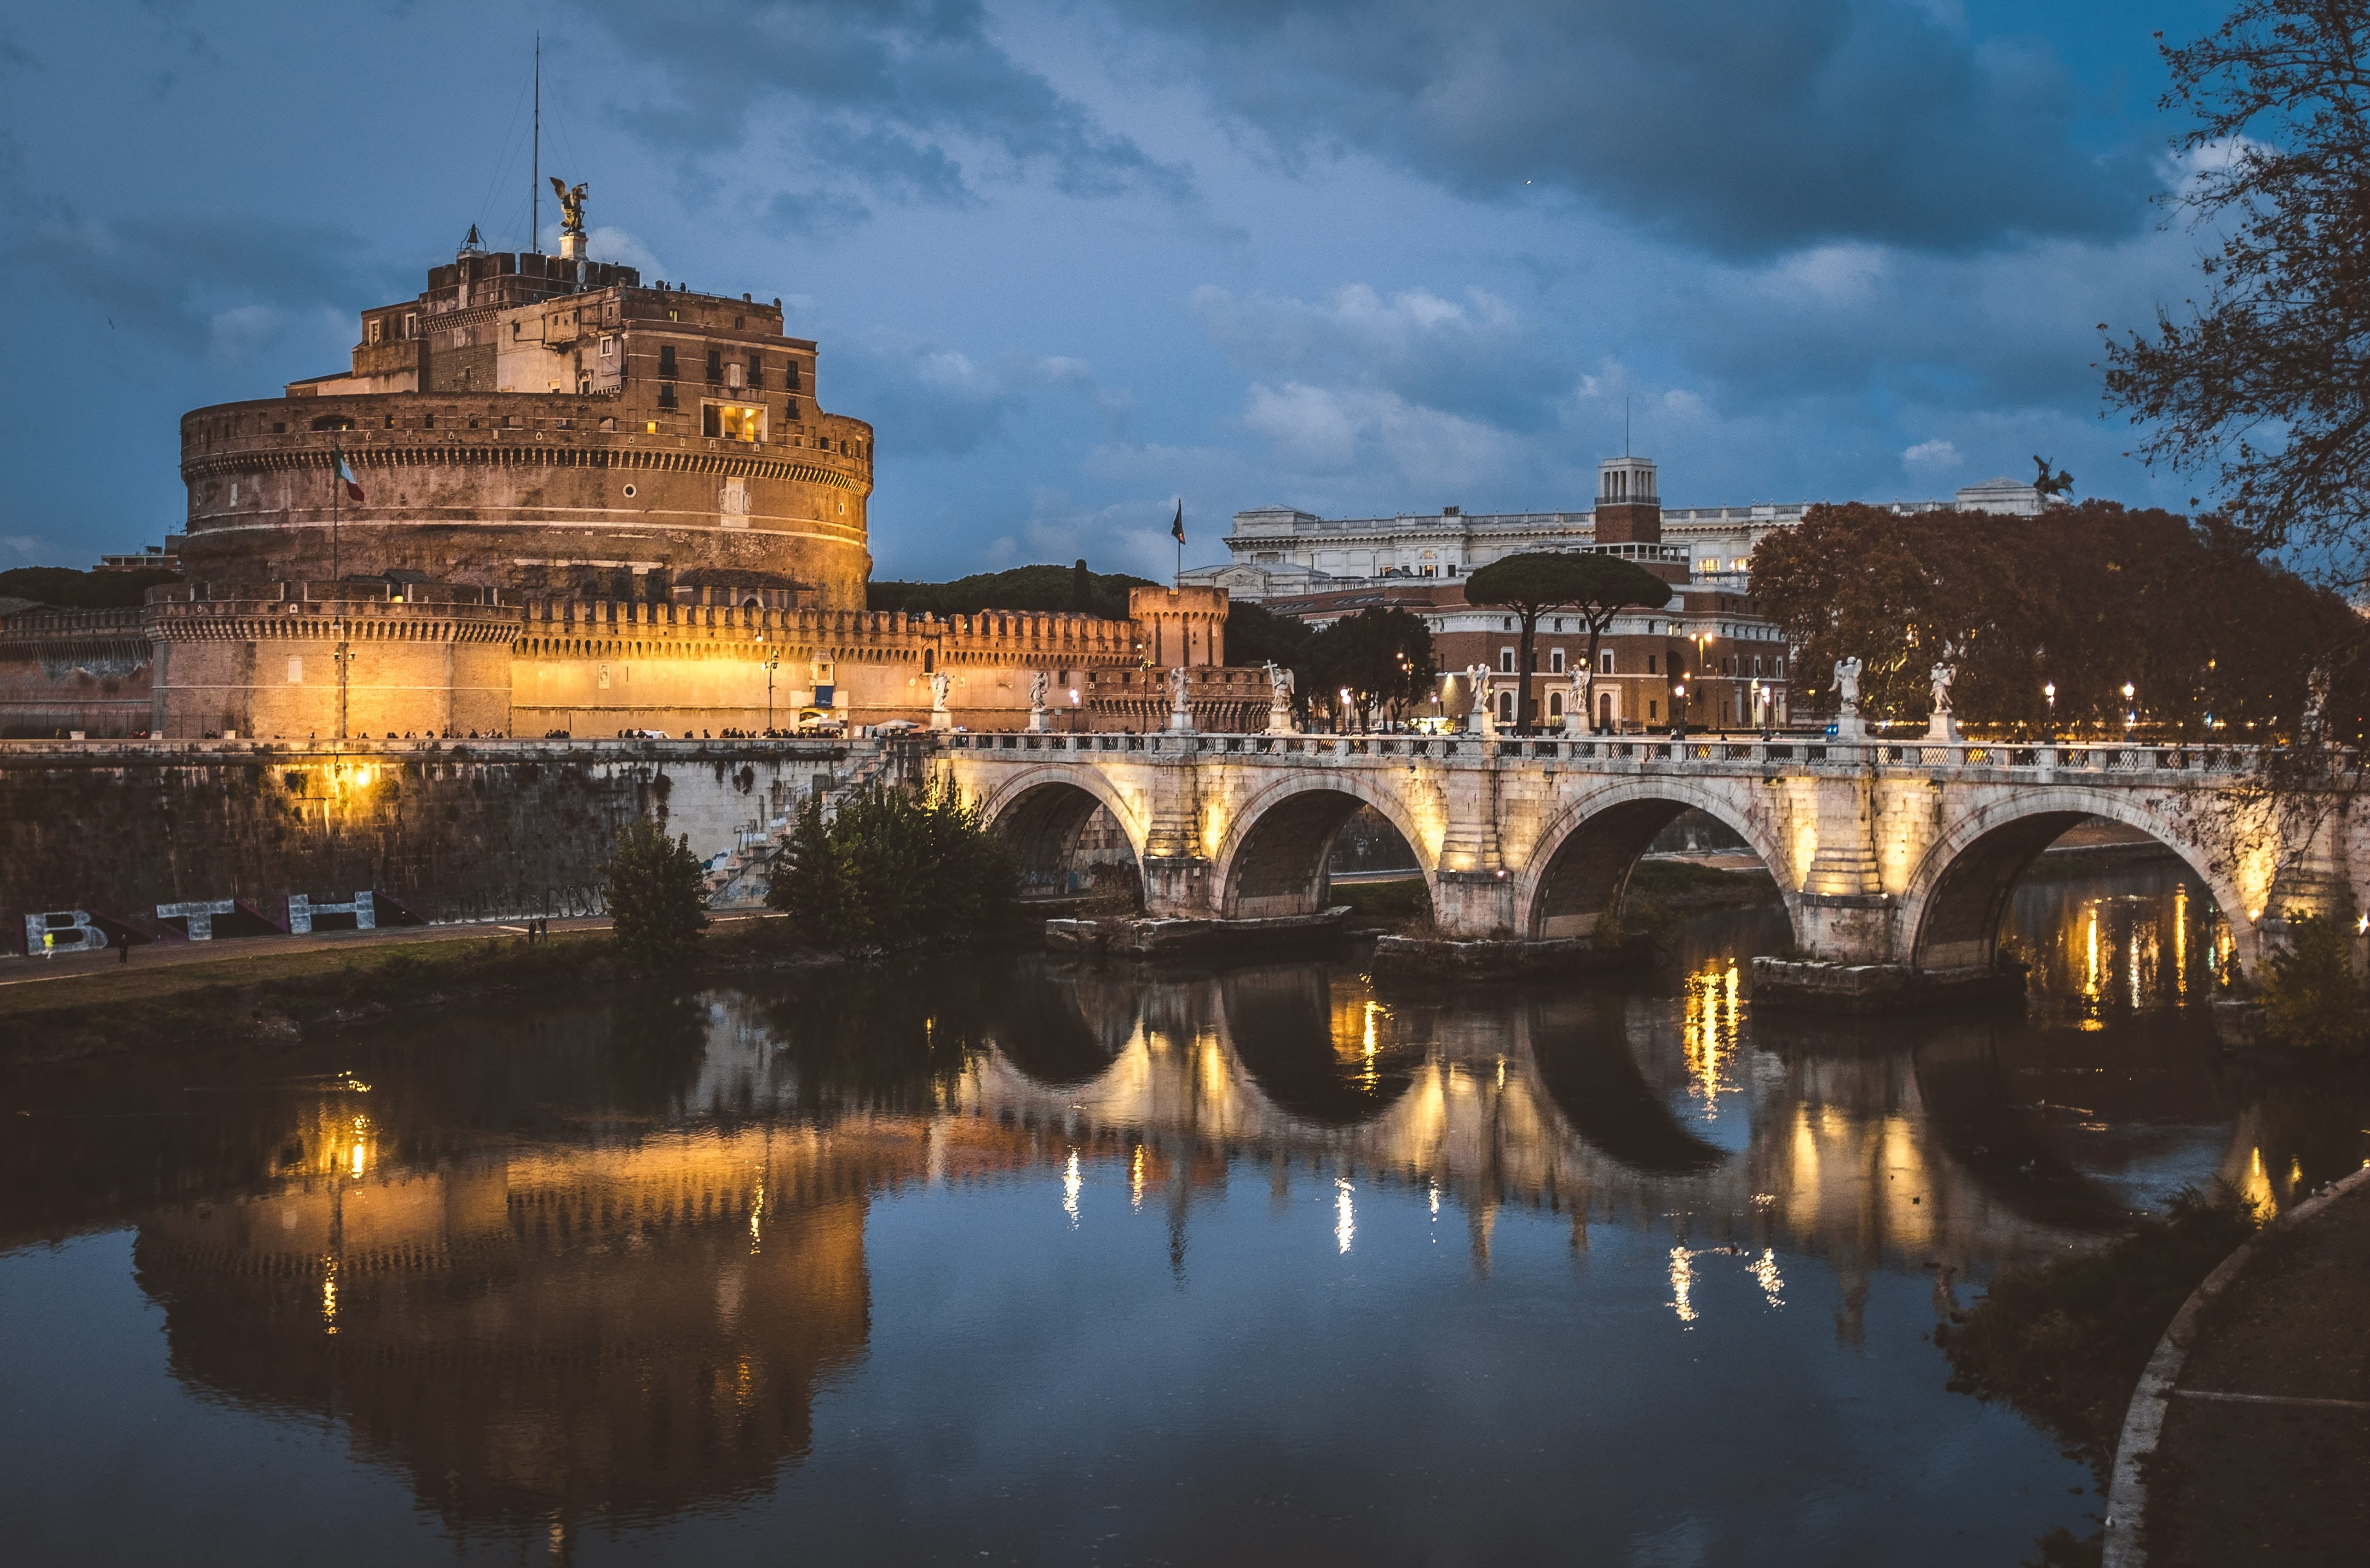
x=1707 y=656
x=1281 y=552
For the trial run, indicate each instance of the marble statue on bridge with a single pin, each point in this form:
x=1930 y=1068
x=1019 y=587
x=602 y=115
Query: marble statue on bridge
x=941 y=719
x=1281 y=685
x=1943 y=725
x=1849 y=725
x=1039 y=683
x=1180 y=711
x=1576 y=706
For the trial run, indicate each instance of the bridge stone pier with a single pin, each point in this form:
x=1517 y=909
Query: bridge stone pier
x=1895 y=855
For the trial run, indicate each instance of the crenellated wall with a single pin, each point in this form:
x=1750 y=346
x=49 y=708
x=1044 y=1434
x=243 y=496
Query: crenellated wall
x=296 y=661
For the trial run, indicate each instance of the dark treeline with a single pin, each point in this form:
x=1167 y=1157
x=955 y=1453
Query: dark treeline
x=68 y=589
x=1061 y=590
x=2086 y=597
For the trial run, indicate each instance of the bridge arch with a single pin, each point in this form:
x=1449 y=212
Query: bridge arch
x=1271 y=855
x=1578 y=869
x=1957 y=895
x=1041 y=811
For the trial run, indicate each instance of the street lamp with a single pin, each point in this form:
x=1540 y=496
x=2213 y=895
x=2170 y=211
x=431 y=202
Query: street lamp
x=1345 y=710
x=772 y=662
x=2131 y=714
x=1679 y=711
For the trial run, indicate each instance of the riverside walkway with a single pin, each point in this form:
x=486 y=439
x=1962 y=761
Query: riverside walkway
x=2253 y=1445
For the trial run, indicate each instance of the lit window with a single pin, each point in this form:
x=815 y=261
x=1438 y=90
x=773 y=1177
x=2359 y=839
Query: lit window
x=733 y=422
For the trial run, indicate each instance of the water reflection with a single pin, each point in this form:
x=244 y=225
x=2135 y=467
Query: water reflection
x=595 y=1265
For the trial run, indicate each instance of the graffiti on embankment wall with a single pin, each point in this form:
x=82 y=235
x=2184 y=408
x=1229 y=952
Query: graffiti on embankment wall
x=447 y=832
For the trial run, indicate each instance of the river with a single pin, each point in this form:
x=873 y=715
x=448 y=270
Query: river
x=999 y=1259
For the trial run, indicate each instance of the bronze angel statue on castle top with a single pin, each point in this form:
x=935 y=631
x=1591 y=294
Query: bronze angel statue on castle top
x=571 y=206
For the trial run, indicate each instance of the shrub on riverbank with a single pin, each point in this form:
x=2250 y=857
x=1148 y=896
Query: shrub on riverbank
x=2311 y=996
x=894 y=867
x=657 y=893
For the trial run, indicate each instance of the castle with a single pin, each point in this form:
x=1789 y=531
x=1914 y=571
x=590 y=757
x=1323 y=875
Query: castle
x=548 y=498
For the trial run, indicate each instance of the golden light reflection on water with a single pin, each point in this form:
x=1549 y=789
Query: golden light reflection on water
x=1682 y=1284
x=1711 y=1028
x=1072 y=1184
x=2110 y=954
x=1345 y=1217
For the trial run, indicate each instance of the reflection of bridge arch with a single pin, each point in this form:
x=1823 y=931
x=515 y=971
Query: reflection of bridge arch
x=1581 y=873
x=1271 y=858
x=1957 y=895
x=1041 y=812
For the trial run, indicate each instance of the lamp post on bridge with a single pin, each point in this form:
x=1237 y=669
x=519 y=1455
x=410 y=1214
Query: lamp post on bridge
x=773 y=662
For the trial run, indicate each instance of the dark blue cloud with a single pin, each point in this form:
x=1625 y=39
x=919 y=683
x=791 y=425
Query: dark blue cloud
x=1746 y=126
x=905 y=98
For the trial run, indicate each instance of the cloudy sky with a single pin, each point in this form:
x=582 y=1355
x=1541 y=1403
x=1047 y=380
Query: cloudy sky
x=1074 y=261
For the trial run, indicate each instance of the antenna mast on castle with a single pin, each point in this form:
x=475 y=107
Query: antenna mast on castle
x=535 y=176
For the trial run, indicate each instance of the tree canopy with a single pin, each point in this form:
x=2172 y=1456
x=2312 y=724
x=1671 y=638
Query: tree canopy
x=69 y=589
x=2084 y=597
x=2261 y=384
x=1046 y=589
x=1383 y=657
x=1596 y=587
x=657 y=893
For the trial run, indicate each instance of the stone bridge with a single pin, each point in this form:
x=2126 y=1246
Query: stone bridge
x=1886 y=854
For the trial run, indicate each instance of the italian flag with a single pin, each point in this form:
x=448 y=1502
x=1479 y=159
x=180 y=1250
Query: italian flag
x=346 y=476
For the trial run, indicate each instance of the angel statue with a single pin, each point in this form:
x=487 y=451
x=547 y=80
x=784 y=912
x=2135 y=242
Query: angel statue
x=2053 y=487
x=1940 y=677
x=571 y=206
x=2315 y=699
x=1583 y=681
x=940 y=684
x=1280 y=684
x=1847 y=685
x=1039 y=683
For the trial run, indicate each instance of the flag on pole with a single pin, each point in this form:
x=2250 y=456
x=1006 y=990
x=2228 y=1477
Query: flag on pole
x=1175 y=529
x=346 y=475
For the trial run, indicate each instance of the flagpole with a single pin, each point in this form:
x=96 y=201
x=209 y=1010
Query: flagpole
x=336 y=492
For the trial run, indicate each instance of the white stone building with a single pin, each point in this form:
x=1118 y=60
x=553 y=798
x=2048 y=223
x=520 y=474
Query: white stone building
x=1279 y=551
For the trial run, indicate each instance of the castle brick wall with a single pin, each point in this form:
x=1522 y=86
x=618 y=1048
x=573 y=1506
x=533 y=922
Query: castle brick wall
x=518 y=490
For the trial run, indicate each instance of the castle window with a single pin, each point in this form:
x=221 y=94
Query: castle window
x=374 y=326
x=666 y=397
x=1604 y=661
x=1650 y=665
x=733 y=422
x=791 y=376
x=608 y=347
x=666 y=360
x=739 y=323
x=411 y=324
x=1554 y=660
x=715 y=364
x=790 y=410
x=1505 y=661
x=756 y=370
x=429 y=422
